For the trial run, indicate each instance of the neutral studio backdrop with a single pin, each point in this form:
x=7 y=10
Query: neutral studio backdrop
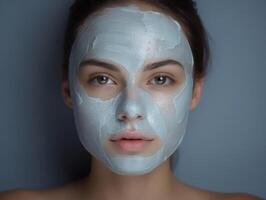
x=225 y=145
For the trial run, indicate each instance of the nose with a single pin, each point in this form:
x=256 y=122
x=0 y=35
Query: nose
x=130 y=110
x=127 y=118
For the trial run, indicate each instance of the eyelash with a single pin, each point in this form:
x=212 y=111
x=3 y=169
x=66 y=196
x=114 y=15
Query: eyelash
x=94 y=80
x=170 y=80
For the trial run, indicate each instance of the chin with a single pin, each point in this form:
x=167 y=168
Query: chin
x=135 y=164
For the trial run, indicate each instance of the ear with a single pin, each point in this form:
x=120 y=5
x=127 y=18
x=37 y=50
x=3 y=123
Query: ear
x=65 y=90
x=197 y=91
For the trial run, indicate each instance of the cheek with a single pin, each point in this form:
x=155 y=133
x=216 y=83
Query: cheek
x=105 y=93
x=173 y=107
x=89 y=109
x=164 y=102
x=176 y=104
x=96 y=90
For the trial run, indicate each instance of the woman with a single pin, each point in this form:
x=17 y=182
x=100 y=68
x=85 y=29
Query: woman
x=133 y=70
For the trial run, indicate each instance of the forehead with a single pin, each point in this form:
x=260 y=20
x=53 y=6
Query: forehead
x=129 y=36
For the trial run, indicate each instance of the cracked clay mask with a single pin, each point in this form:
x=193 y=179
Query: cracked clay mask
x=128 y=40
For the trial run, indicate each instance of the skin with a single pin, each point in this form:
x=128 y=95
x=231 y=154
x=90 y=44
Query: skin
x=103 y=184
x=106 y=83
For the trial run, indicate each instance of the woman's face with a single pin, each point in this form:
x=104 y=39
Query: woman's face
x=131 y=82
x=161 y=80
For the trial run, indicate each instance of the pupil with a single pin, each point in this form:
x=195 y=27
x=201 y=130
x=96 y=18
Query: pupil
x=102 y=79
x=161 y=79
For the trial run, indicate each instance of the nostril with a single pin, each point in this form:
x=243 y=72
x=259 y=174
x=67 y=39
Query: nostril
x=122 y=116
x=139 y=117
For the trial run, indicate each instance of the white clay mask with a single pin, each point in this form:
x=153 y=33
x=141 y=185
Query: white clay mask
x=128 y=40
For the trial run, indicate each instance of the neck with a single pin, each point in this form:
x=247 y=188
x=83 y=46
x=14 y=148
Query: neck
x=104 y=184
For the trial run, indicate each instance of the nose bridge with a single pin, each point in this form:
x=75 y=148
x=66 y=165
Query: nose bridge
x=130 y=105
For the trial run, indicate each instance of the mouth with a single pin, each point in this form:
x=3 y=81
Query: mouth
x=131 y=141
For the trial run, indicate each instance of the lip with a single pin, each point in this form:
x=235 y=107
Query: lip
x=131 y=141
x=133 y=135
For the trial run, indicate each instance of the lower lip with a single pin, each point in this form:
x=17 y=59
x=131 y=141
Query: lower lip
x=132 y=146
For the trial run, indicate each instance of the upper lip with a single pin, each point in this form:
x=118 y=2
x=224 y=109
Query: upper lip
x=127 y=134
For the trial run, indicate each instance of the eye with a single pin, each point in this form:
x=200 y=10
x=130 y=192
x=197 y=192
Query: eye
x=162 y=80
x=101 y=80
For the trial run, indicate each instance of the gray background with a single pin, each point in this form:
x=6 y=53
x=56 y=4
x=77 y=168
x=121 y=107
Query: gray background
x=224 y=149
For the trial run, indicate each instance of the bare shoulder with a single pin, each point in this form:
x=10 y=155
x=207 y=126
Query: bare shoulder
x=239 y=196
x=66 y=192
x=37 y=194
x=229 y=196
x=190 y=192
x=21 y=194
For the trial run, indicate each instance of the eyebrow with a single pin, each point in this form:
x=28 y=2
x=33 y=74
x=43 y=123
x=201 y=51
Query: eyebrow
x=114 y=68
x=99 y=64
x=161 y=64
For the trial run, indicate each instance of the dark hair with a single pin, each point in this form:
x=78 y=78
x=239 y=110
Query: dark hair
x=182 y=10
